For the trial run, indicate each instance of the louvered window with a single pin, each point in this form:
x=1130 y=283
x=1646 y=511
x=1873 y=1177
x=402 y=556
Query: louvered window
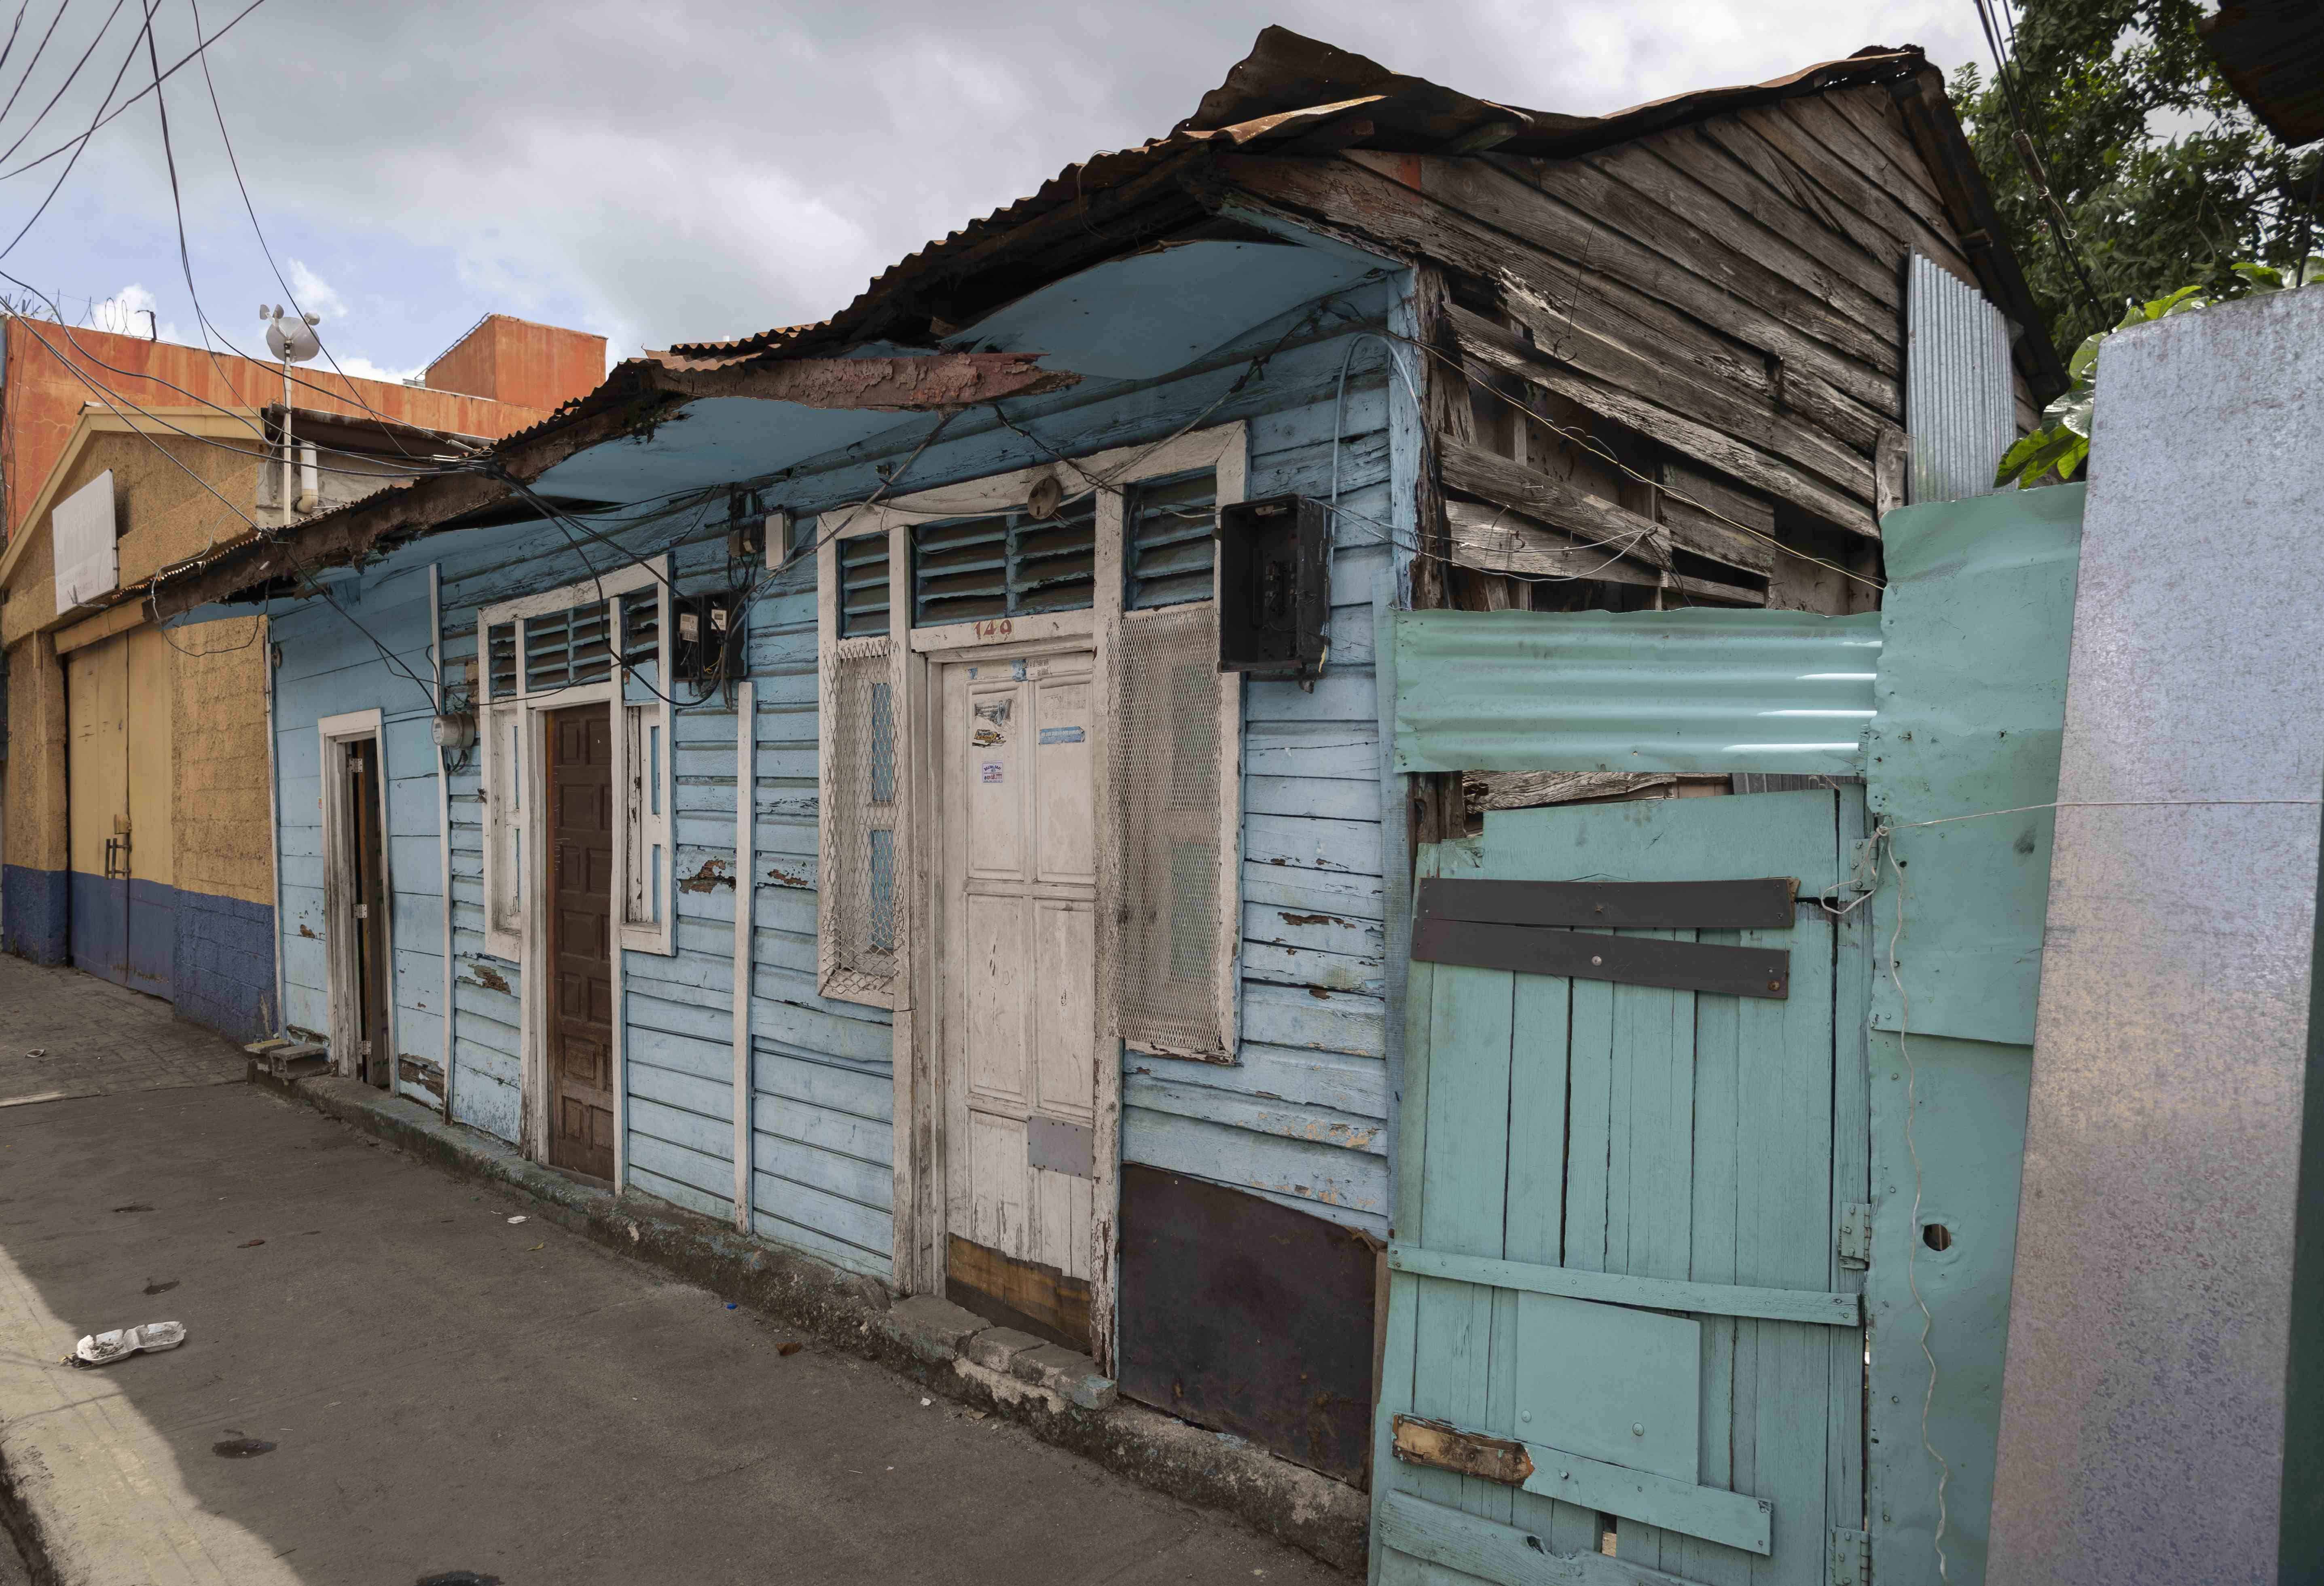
x=1167 y=549
x=641 y=627
x=862 y=585
x=1126 y=572
x=501 y=646
x=1006 y=565
x=614 y=629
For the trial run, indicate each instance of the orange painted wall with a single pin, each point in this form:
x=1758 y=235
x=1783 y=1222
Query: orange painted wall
x=42 y=397
x=515 y=360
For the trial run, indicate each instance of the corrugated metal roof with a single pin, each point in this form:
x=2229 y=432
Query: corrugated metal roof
x=2272 y=53
x=1697 y=690
x=1289 y=85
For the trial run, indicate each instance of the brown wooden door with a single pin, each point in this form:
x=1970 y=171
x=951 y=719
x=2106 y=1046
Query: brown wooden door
x=376 y=1062
x=580 y=952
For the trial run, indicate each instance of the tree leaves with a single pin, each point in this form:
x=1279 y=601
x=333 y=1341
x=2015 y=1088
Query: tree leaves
x=2150 y=210
x=2063 y=445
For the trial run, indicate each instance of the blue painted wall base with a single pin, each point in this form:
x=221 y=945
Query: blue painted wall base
x=224 y=964
x=33 y=913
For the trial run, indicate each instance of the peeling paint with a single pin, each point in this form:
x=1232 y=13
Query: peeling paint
x=783 y=878
x=487 y=977
x=307 y=931
x=420 y=1072
x=712 y=873
x=1312 y=920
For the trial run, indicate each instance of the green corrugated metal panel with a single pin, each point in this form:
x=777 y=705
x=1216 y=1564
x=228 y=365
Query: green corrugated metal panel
x=1697 y=690
x=1978 y=617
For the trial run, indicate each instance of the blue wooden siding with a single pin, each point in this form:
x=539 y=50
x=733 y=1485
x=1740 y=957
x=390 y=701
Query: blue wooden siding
x=331 y=665
x=1301 y=1119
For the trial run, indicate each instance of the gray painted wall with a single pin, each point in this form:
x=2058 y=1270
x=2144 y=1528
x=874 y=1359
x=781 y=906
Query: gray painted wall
x=2144 y=1416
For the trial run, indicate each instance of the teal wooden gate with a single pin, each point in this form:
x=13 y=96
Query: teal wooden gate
x=1624 y=1335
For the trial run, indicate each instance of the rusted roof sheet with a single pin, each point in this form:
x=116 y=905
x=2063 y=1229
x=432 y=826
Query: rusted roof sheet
x=2271 y=52
x=1291 y=85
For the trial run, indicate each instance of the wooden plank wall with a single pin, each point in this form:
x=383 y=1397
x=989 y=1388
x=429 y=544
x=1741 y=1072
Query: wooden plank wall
x=330 y=668
x=1302 y=1119
x=1678 y=349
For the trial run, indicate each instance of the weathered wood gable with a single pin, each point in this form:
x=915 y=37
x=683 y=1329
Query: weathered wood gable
x=1672 y=364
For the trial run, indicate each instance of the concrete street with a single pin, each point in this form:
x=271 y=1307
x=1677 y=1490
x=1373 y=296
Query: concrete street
x=445 y=1390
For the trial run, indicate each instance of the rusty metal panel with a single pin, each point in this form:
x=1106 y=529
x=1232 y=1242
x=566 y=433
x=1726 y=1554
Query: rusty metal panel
x=1697 y=690
x=1960 y=411
x=1587 y=955
x=1248 y=1317
x=1756 y=905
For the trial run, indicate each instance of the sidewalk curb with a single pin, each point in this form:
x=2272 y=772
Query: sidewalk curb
x=920 y=1337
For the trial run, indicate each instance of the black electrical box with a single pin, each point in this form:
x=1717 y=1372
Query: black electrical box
x=1273 y=585
x=709 y=639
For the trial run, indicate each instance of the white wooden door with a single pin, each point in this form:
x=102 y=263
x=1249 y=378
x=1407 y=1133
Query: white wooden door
x=1017 y=976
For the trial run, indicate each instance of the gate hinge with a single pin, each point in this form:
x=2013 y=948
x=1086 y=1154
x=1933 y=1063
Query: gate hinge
x=1851 y=1557
x=363 y=1048
x=1855 y=1235
x=362 y=911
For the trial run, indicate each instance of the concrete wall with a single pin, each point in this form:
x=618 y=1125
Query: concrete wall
x=513 y=360
x=33 y=906
x=43 y=394
x=2158 y=1420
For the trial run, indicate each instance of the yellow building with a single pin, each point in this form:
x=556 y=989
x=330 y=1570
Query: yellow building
x=138 y=802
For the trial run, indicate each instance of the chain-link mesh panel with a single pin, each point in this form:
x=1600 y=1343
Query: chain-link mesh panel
x=858 y=882
x=1166 y=823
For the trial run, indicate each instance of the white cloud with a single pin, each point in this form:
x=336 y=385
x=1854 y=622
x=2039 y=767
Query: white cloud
x=683 y=169
x=314 y=294
x=358 y=367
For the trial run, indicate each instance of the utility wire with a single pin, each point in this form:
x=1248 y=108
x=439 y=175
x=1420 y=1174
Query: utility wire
x=2060 y=227
x=200 y=47
x=30 y=65
x=70 y=77
x=57 y=186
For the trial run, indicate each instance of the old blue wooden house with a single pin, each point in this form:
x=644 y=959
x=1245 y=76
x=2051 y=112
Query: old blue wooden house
x=926 y=788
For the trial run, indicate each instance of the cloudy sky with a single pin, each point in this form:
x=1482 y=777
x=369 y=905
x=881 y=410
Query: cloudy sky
x=661 y=169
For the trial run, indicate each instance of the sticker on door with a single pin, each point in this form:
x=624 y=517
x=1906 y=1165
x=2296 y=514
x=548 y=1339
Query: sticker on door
x=990 y=772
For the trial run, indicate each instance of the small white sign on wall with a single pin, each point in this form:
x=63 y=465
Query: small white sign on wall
x=81 y=540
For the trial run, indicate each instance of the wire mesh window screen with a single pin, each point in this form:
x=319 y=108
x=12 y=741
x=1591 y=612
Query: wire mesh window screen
x=859 y=897
x=1173 y=953
x=1006 y=565
x=1169 y=549
x=862 y=585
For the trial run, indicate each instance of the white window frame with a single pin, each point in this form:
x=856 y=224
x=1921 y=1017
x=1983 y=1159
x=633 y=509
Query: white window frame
x=919 y=1212
x=507 y=727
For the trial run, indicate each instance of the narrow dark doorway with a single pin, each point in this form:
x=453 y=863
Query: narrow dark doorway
x=580 y=928
x=374 y=1062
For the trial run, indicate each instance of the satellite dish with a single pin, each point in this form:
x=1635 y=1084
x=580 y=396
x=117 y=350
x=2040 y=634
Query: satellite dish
x=290 y=337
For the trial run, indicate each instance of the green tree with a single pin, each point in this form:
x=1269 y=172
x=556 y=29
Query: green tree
x=2163 y=175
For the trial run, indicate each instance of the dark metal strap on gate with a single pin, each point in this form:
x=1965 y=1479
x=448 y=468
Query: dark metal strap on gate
x=1702 y=905
x=1515 y=926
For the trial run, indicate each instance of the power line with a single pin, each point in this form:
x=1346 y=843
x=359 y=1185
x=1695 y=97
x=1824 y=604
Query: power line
x=58 y=185
x=70 y=77
x=31 y=64
x=2060 y=227
x=200 y=48
x=234 y=164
